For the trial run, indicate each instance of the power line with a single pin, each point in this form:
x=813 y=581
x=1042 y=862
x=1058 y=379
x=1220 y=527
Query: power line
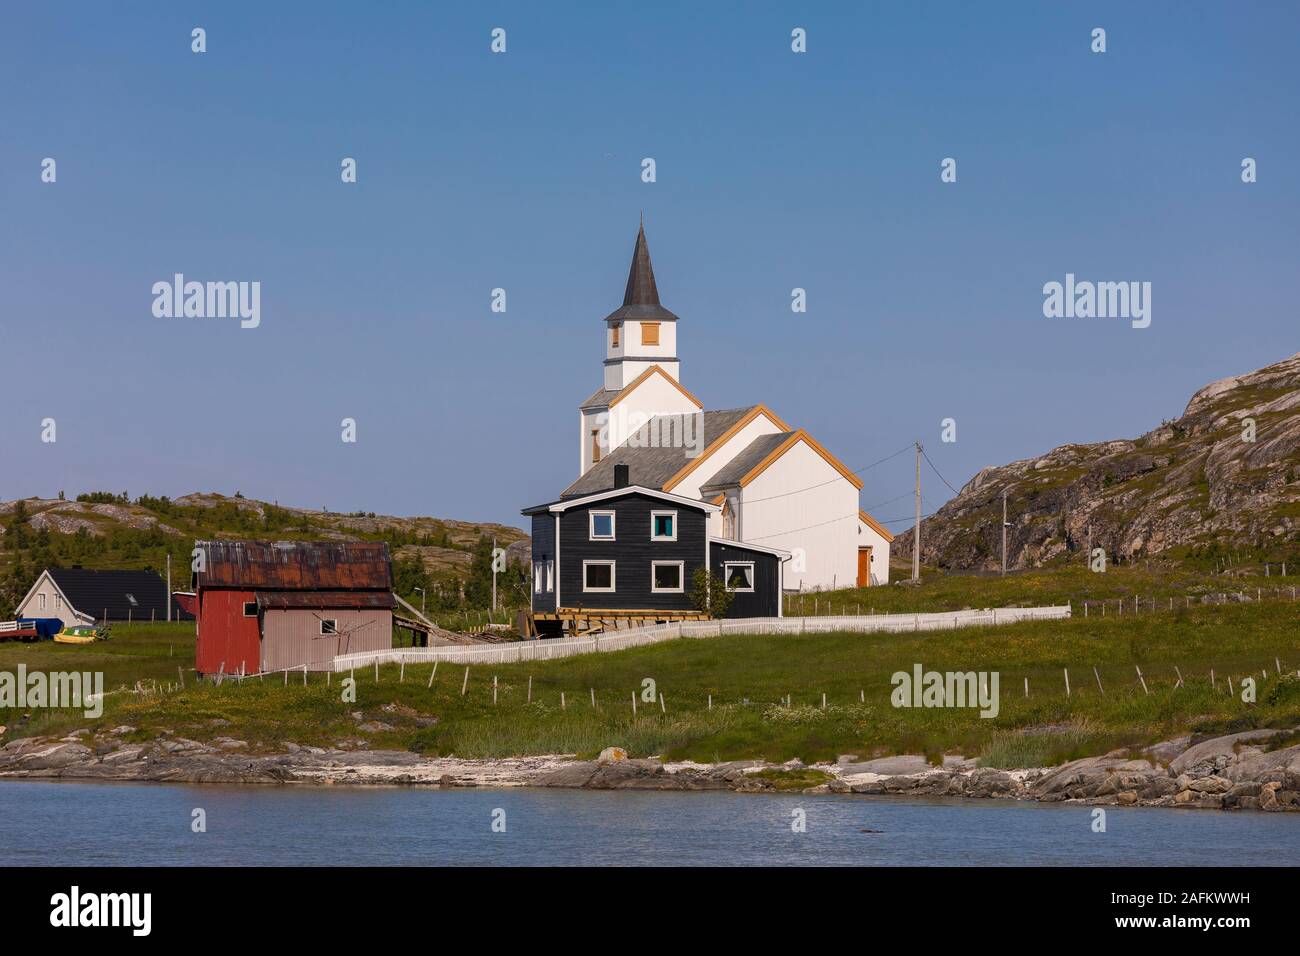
x=881 y=504
x=936 y=471
x=831 y=521
x=856 y=471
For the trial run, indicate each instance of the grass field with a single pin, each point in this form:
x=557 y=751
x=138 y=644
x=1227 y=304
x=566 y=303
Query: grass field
x=1061 y=584
x=748 y=678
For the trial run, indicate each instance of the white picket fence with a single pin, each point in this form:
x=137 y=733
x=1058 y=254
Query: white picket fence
x=542 y=650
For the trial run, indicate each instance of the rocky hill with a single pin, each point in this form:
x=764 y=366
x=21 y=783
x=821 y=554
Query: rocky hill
x=1206 y=480
x=105 y=530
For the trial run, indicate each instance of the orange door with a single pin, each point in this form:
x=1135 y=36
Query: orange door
x=864 y=567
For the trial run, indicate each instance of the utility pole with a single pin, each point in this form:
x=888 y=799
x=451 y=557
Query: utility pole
x=916 y=531
x=494 y=572
x=1004 y=532
x=169 y=585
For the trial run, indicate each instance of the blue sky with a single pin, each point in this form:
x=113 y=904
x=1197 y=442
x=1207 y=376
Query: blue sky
x=522 y=171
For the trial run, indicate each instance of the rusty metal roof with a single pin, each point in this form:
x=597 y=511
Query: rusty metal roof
x=320 y=600
x=295 y=565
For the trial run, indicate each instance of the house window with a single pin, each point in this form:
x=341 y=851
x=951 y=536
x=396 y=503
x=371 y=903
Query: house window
x=134 y=602
x=601 y=526
x=666 y=577
x=663 y=526
x=595 y=446
x=537 y=577
x=41 y=601
x=739 y=575
x=550 y=577
x=649 y=333
x=598 y=575
x=250 y=609
x=614 y=336
x=329 y=625
x=58 y=602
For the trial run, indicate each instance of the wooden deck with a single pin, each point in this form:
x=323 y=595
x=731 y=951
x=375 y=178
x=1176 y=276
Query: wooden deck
x=578 y=622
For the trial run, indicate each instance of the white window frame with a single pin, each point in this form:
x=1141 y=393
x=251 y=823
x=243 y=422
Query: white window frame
x=613 y=576
x=58 y=602
x=246 y=605
x=655 y=537
x=681 y=578
x=550 y=577
x=726 y=576
x=329 y=620
x=591 y=526
x=537 y=577
x=42 y=601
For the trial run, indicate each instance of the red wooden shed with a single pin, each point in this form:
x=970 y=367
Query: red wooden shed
x=263 y=606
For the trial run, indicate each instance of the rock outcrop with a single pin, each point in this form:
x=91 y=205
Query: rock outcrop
x=1235 y=772
x=1197 y=479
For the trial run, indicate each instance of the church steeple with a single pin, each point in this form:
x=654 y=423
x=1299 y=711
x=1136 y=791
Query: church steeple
x=641 y=288
x=642 y=373
x=641 y=297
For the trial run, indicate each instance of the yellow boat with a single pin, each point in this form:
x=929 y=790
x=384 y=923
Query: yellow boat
x=77 y=635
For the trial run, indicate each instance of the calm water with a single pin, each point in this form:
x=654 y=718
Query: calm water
x=120 y=824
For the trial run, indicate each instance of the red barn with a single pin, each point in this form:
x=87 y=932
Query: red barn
x=270 y=606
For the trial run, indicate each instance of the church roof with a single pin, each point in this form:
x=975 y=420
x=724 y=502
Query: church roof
x=600 y=398
x=641 y=298
x=649 y=466
x=736 y=469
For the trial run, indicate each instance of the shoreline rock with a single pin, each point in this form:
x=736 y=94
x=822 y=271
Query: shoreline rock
x=1228 y=773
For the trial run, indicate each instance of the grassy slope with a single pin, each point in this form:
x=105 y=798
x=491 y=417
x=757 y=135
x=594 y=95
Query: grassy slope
x=1234 y=640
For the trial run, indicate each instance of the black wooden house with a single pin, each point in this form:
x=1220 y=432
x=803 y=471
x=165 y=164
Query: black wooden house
x=633 y=551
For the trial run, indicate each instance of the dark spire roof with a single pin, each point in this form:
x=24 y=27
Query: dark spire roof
x=641 y=298
x=641 y=289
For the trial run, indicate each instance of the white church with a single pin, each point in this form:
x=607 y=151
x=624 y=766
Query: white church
x=774 y=485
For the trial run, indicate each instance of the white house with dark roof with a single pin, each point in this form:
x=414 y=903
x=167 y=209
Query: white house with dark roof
x=774 y=485
x=78 y=596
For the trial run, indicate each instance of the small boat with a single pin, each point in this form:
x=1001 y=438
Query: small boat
x=77 y=635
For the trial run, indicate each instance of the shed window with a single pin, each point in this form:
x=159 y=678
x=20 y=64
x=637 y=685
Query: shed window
x=602 y=526
x=649 y=333
x=666 y=577
x=58 y=602
x=41 y=601
x=598 y=575
x=134 y=602
x=250 y=609
x=329 y=625
x=739 y=575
